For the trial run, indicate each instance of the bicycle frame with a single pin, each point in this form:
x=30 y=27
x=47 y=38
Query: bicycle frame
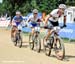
x=55 y=34
x=36 y=41
x=55 y=42
x=36 y=31
x=55 y=31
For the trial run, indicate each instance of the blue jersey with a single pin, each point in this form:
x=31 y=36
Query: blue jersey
x=18 y=20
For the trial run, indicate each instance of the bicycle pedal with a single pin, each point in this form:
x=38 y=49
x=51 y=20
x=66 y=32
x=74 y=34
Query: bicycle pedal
x=13 y=39
x=48 y=45
x=45 y=46
x=31 y=41
x=55 y=48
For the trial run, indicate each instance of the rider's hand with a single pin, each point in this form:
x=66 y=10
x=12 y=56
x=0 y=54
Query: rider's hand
x=64 y=26
x=45 y=27
x=39 y=20
x=24 y=26
x=10 y=24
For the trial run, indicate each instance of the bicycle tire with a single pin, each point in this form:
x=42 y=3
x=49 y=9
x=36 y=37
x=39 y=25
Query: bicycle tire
x=48 y=52
x=19 y=40
x=31 y=44
x=37 y=42
x=62 y=48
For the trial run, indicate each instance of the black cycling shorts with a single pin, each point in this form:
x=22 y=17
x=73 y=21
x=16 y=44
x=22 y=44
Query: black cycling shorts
x=54 y=23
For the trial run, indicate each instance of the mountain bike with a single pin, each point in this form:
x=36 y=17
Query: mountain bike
x=54 y=42
x=17 y=39
x=35 y=40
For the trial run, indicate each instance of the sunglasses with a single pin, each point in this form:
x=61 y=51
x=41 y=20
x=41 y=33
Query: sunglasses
x=35 y=13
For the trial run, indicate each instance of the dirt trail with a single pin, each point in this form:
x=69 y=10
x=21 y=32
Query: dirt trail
x=9 y=54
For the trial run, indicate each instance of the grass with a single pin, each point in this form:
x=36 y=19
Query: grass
x=26 y=33
x=66 y=40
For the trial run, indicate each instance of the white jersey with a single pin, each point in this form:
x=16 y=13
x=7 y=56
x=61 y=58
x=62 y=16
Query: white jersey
x=55 y=15
x=32 y=19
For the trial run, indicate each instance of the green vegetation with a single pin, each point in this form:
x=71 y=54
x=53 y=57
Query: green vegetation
x=66 y=40
x=26 y=6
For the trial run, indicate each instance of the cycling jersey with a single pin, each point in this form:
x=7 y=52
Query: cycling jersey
x=17 y=20
x=33 y=21
x=55 y=16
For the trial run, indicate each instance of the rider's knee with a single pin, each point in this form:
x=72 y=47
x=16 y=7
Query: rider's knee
x=49 y=31
x=32 y=29
x=14 y=29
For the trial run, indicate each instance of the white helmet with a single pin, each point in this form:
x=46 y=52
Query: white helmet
x=35 y=11
x=62 y=6
x=18 y=12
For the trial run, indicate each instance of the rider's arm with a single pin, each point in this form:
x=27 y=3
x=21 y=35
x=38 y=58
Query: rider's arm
x=64 y=20
x=13 y=21
x=10 y=24
x=50 y=15
x=29 y=19
x=39 y=20
x=47 y=18
x=21 y=18
x=64 y=25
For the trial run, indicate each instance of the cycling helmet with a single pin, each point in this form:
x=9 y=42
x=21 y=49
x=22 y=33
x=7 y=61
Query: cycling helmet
x=18 y=12
x=62 y=6
x=35 y=11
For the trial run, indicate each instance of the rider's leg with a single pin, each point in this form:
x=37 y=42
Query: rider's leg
x=32 y=31
x=50 y=30
x=48 y=35
x=13 y=31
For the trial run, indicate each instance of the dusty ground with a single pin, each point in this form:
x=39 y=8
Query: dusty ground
x=9 y=54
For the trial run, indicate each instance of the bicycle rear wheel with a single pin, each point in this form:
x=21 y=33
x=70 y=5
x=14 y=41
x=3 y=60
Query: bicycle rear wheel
x=60 y=49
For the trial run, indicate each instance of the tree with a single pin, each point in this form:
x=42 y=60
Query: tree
x=26 y=6
x=47 y=5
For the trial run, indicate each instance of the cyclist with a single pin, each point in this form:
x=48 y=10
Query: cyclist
x=16 y=21
x=34 y=21
x=53 y=17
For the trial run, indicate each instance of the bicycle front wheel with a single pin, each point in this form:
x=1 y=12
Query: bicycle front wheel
x=19 y=40
x=37 y=42
x=60 y=49
x=48 y=47
x=31 y=42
